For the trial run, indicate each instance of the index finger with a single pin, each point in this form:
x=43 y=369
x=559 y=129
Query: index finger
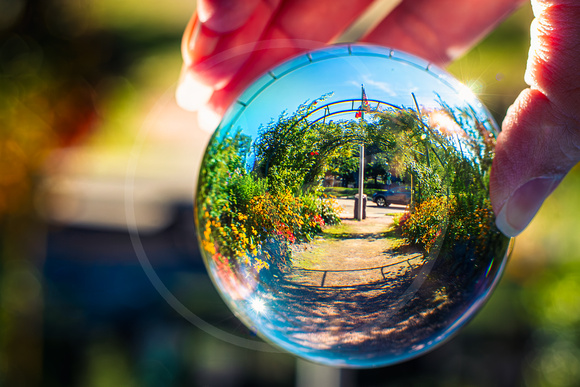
x=440 y=31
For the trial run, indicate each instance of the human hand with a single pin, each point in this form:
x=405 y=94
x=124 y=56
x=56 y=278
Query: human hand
x=228 y=44
x=540 y=138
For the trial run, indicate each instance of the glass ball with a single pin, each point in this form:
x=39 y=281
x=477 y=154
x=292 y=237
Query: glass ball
x=300 y=259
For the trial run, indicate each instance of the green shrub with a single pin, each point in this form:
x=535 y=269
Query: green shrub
x=243 y=188
x=460 y=219
x=262 y=228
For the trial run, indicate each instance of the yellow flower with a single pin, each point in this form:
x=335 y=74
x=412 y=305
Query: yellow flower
x=209 y=247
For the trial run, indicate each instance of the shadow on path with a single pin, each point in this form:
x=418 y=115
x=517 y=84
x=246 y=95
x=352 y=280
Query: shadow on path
x=353 y=294
x=349 y=288
x=387 y=317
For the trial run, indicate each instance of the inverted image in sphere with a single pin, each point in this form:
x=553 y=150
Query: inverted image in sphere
x=343 y=206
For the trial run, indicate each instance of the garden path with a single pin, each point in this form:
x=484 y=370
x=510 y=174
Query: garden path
x=352 y=288
x=352 y=253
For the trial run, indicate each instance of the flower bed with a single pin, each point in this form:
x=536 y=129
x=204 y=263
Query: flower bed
x=459 y=219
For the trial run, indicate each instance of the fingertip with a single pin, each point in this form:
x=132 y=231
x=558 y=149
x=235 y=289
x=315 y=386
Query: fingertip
x=191 y=94
x=503 y=225
x=208 y=120
x=523 y=204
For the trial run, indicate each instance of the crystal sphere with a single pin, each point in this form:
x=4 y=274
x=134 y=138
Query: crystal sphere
x=299 y=258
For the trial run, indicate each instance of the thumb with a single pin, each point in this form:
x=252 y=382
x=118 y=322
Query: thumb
x=540 y=139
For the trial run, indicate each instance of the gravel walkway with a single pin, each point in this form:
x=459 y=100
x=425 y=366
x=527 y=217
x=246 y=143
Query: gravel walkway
x=351 y=254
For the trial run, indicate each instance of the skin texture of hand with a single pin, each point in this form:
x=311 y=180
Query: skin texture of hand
x=540 y=139
x=228 y=43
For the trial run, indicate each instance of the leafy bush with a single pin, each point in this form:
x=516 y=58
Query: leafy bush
x=471 y=222
x=243 y=188
x=423 y=226
x=322 y=208
x=257 y=226
x=460 y=219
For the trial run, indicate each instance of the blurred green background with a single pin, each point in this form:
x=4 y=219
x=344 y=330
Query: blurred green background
x=86 y=90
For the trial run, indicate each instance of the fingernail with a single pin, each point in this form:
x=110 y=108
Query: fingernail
x=188 y=40
x=523 y=204
x=198 y=42
x=203 y=44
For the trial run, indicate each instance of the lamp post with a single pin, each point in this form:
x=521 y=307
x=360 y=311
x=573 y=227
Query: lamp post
x=361 y=173
x=361 y=169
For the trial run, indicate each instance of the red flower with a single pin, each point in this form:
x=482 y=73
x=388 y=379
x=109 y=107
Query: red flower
x=318 y=219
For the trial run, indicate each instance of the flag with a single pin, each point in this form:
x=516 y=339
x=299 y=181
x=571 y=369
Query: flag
x=365 y=102
x=364 y=106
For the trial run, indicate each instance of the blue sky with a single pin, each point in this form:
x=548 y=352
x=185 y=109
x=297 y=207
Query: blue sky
x=389 y=79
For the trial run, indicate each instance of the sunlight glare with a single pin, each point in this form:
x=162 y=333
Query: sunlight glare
x=258 y=305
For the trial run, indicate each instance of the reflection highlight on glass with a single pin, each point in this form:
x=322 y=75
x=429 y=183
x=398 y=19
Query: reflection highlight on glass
x=308 y=262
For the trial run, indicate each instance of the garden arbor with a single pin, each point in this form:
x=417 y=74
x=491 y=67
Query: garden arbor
x=325 y=133
x=296 y=150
